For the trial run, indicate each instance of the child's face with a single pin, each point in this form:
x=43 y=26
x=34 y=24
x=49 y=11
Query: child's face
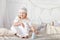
x=23 y=15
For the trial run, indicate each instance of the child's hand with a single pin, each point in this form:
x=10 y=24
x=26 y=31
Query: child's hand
x=18 y=24
x=21 y=24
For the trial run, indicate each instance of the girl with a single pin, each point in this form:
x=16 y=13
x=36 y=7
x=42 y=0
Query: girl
x=22 y=24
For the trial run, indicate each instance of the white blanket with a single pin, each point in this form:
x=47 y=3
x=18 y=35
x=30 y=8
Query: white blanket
x=53 y=30
x=6 y=32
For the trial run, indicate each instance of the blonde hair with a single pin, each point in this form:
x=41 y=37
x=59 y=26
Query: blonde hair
x=23 y=10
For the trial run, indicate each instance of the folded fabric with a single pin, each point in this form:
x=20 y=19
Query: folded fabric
x=6 y=32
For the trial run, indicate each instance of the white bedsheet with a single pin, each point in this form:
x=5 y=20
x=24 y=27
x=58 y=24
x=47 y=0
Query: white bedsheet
x=53 y=30
x=6 y=32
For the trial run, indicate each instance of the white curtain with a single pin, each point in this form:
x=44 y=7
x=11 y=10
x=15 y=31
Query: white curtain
x=2 y=12
x=37 y=10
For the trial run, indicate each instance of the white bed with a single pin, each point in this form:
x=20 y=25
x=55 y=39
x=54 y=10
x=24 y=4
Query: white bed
x=6 y=34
